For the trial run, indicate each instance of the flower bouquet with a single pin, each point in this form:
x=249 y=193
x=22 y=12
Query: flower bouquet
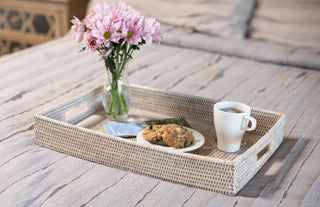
x=115 y=31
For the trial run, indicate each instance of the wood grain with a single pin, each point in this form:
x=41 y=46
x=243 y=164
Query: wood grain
x=261 y=51
x=291 y=22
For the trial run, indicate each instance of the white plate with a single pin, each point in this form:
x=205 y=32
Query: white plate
x=197 y=142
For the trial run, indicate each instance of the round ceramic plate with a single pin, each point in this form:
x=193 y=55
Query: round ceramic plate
x=197 y=142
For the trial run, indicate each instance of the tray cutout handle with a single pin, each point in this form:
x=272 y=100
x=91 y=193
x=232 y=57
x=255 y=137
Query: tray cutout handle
x=263 y=152
x=75 y=111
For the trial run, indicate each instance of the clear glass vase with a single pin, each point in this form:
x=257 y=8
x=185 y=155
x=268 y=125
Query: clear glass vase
x=116 y=92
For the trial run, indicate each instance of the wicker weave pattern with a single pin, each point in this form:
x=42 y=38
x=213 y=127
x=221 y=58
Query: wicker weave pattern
x=217 y=171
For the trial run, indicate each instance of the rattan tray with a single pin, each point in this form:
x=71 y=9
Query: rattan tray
x=75 y=127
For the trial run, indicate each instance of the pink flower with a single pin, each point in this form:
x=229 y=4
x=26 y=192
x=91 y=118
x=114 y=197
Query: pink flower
x=157 y=35
x=114 y=23
x=133 y=33
x=119 y=7
x=151 y=31
x=105 y=30
x=91 y=43
x=148 y=30
x=77 y=29
x=118 y=10
x=89 y=20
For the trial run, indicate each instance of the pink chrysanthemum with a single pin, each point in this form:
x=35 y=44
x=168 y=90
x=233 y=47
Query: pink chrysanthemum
x=91 y=43
x=113 y=24
x=77 y=29
x=157 y=35
x=106 y=31
x=152 y=31
x=148 y=30
x=133 y=33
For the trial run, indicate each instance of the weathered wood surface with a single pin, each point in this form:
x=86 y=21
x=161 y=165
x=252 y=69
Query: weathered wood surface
x=262 y=51
x=43 y=76
x=192 y=63
x=292 y=22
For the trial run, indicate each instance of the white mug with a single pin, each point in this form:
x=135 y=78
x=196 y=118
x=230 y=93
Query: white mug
x=231 y=120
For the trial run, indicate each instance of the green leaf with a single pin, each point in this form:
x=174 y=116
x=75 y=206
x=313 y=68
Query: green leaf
x=142 y=42
x=135 y=47
x=82 y=49
x=110 y=65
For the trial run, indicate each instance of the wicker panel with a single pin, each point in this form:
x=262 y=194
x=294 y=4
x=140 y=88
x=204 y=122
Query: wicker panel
x=207 y=168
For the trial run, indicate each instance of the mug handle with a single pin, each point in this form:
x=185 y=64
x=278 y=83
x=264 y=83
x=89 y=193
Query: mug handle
x=253 y=123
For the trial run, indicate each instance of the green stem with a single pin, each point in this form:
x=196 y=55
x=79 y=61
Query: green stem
x=112 y=109
x=119 y=103
x=115 y=63
x=125 y=106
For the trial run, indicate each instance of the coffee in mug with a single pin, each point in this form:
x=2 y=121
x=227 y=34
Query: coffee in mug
x=231 y=120
x=232 y=110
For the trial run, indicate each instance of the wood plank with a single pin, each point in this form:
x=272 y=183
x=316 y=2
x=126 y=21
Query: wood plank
x=290 y=22
x=308 y=138
x=16 y=146
x=177 y=196
x=312 y=198
x=257 y=50
x=52 y=173
x=200 y=198
x=222 y=200
x=83 y=190
x=147 y=74
x=306 y=175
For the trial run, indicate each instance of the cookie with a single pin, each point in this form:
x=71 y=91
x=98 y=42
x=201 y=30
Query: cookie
x=153 y=133
x=176 y=136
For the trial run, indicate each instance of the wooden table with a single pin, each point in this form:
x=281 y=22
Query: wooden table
x=264 y=75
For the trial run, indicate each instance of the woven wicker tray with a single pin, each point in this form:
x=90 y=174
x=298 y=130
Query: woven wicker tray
x=75 y=128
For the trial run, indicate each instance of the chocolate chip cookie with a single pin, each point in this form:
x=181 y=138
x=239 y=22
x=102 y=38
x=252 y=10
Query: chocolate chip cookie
x=176 y=136
x=153 y=133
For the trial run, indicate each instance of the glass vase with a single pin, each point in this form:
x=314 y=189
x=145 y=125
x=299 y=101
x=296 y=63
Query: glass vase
x=116 y=92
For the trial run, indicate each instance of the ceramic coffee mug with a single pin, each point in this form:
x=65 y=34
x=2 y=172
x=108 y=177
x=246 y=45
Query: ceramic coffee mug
x=231 y=120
